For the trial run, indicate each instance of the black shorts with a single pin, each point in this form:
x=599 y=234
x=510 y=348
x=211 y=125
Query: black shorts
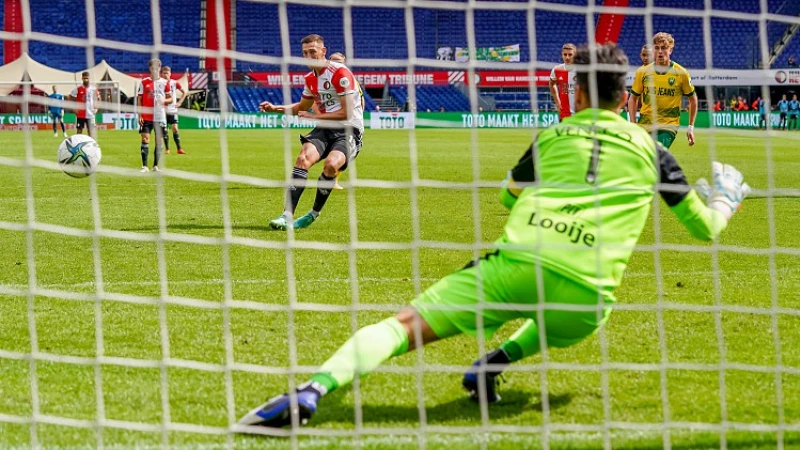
x=148 y=127
x=172 y=118
x=327 y=140
x=85 y=123
x=783 y=115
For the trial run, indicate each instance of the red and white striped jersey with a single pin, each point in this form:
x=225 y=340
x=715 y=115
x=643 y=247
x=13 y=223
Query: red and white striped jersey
x=173 y=86
x=86 y=96
x=565 y=80
x=328 y=88
x=149 y=90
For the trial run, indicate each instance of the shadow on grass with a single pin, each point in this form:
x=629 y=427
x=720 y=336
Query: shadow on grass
x=514 y=403
x=193 y=227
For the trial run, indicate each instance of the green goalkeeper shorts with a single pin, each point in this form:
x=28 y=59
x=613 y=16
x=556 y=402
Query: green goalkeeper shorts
x=496 y=290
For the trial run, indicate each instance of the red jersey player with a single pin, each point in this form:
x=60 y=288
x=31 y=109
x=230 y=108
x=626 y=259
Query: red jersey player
x=337 y=141
x=152 y=98
x=562 y=83
x=178 y=94
x=86 y=95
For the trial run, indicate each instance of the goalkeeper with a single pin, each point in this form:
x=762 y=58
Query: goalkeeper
x=579 y=199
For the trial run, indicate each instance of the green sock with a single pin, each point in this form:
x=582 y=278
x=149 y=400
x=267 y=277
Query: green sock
x=362 y=353
x=523 y=343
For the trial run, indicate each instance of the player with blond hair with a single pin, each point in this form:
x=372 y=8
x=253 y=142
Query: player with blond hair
x=661 y=86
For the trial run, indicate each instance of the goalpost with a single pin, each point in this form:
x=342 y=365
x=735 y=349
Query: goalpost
x=669 y=369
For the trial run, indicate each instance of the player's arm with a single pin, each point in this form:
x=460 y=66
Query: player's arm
x=139 y=108
x=182 y=96
x=633 y=106
x=343 y=113
x=636 y=92
x=518 y=178
x=304 y=104
x=688 y=90
x=692 y=117
x=704 y=222
x=554 y=90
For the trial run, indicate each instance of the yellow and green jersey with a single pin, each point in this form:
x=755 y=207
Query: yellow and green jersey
x=664 y=89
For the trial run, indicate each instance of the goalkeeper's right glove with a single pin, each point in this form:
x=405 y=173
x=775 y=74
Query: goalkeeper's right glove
x=727 y=192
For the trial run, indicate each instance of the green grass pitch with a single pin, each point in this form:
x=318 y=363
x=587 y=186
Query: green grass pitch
x=258 y=274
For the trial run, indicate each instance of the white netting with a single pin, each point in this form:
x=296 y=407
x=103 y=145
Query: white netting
x=425 y=432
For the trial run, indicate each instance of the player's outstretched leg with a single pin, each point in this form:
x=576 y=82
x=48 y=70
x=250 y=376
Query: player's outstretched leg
x=490 y=376
x=324 y=187
x=278 y=411
x=361 y=354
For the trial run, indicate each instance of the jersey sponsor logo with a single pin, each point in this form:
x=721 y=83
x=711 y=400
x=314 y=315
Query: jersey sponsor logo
x=573 y=231
x=662 y=91
x=326 y=85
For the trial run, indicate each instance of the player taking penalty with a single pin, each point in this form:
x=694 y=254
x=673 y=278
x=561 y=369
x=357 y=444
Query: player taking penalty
x=337 y=138
x=661 y=86
x=578 y=199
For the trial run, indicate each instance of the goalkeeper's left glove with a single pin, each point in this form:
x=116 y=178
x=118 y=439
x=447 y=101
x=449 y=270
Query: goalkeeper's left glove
x=727 y=192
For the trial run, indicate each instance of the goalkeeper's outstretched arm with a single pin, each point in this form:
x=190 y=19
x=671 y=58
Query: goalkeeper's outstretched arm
x=704 y=222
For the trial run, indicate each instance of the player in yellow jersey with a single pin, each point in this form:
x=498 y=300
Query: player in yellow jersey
x=661 y=86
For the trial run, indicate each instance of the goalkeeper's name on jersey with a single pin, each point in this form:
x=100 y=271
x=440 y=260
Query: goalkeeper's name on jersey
x=575 y=228
x=590 y=131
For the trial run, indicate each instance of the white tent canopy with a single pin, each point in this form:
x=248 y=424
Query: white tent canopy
x=43 y=77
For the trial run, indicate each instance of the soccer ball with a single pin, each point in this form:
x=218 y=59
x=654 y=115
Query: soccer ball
x=79 y=156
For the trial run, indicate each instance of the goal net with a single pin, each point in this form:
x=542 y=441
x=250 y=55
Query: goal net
x=156 y=309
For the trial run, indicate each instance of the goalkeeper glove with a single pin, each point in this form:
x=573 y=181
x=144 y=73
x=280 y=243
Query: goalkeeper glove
x=727 y=192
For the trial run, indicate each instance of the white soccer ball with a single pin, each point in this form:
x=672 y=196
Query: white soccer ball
x=79 y=156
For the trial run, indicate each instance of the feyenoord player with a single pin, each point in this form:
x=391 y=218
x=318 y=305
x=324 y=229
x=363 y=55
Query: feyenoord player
x=86 y=95
x=562 y=83
x=152 y=98
x=336 y=140
x=178 y=94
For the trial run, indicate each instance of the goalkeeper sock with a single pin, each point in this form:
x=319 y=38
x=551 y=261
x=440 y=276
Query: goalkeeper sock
x=299 y=177
x=323 y=192
x=523 y=343
x=177 y=138
x=145 y=148
x=362 y=353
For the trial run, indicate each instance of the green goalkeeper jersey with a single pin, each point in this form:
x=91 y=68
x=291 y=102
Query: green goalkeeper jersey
x=582 y=193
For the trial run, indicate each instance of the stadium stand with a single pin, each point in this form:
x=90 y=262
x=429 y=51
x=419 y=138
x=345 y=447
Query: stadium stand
x=180 y=22
x=735 y=42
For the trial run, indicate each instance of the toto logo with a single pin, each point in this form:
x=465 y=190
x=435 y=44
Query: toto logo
x=780 y=76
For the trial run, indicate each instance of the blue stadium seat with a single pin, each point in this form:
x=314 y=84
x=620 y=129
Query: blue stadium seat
x=735 y=42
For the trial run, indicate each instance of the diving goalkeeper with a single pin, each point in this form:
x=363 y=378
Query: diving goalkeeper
x=579 y=199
